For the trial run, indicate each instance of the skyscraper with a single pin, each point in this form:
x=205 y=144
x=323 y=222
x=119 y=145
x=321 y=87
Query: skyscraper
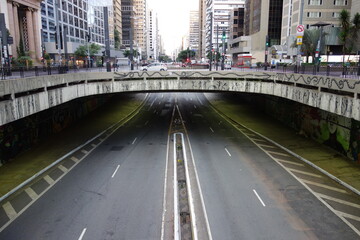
x=194 y=31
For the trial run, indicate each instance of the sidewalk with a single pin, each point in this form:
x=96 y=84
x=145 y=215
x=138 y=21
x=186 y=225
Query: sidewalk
x=29 y=163
x=321 y=155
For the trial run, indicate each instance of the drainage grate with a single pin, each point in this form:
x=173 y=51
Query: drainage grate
x=116 y=148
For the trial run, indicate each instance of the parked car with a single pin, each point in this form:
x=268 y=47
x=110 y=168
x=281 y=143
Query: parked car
x=155 y=67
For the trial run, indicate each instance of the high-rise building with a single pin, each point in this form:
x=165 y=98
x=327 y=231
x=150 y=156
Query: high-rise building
x=202 y=27
x=127 y=14
x=140 y=26
x=218 y=20
x=68 y=30
x=263 y=18
x=117 y=19
x=194 y=31
x=152 y=36
x=22 y=18
x=314 y=11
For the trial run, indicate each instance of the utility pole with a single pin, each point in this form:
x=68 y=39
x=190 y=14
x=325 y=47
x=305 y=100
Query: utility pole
x=107 y=39
x=58 y=35
x=266 y=51
x=131 y=49
x=223 y=50
x=298 y=58
x=211 y=46
x=217 y=46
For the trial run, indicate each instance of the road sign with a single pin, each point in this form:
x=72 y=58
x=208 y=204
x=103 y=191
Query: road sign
x=300 y=30
x=299 y=41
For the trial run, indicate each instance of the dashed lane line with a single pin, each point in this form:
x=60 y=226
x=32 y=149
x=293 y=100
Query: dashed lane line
x=290 y=162
x=305 y=173
x=82 y=234
x=9 y=210
x=227 y=151
x=323 y=186
x=117 y=168
x=258 y=139
x=84 y=151
x=211 y=129
x=32 y=194
x=74 y=159
x=257 y=195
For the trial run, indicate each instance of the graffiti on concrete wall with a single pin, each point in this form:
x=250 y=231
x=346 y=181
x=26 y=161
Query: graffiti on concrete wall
x=21 y=135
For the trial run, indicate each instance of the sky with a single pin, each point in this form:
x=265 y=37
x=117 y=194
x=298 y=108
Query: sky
x=173 y=16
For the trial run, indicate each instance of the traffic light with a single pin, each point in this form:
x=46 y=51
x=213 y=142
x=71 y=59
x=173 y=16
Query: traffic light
x=223 y=35
x=267 y=41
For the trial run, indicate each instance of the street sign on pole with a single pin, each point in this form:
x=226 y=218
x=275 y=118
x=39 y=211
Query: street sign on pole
x=299 y=40
x=300 y=30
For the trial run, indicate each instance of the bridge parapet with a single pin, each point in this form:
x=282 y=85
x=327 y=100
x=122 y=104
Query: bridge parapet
x=22 y=97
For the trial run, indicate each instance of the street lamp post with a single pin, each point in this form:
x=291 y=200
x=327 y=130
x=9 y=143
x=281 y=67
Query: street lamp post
x=298 y=58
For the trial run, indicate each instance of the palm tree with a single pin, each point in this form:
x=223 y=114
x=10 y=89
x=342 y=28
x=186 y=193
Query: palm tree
x=355 y=30
x=345 y=31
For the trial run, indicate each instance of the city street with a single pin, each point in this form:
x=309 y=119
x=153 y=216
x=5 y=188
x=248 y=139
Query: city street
x=117 y=191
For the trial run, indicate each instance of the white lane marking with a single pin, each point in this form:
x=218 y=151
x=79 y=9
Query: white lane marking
x=165 y=185
x=259 y=198
x=75 y=159
x=194 y=106
x=159 y=102
x=32 y=194
x=199 y=185
x=290 y=162
x=258 y=139
x=48 y=179
x=146 y=123
x=348 y=215
x=199 y=100
x=117 y=168
x=84 y=151
x=162 y=95
x=305 y=173
x=211 y=129
x=324 y=186
x=227 y=152
x=154 y=111
x=177 y=227
x=279 y=153
x=264 y=145
x=190 y=99
x=93 y=145
x=152 y=104
x=9 y=210
x=134 y=141
x=339 y=201
x=62 y=168
x=82 y=234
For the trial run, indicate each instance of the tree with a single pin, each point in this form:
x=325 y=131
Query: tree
x=134 y=51
x=164 y=58
x=309 y=43
x=117 y=39
x=349 y=34
x=185 y=54
x=215 y=56
x=82 y=50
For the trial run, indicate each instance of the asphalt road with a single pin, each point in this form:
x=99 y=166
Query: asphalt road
x=117 y=191
x=110 y=202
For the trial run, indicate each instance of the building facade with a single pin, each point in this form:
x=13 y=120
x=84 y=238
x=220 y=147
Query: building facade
x=194 y=31
x=140 y=27
x=117 y=19
x=263 y=18
x=152 y=36
x=22 y=18
x=202 y=27
x=127 y=14
x=218 y=20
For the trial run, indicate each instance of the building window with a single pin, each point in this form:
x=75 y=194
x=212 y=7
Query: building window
x=335 y=14
x=50 y=11
x=314 y=14
x=315 y=2
x=340 y=2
